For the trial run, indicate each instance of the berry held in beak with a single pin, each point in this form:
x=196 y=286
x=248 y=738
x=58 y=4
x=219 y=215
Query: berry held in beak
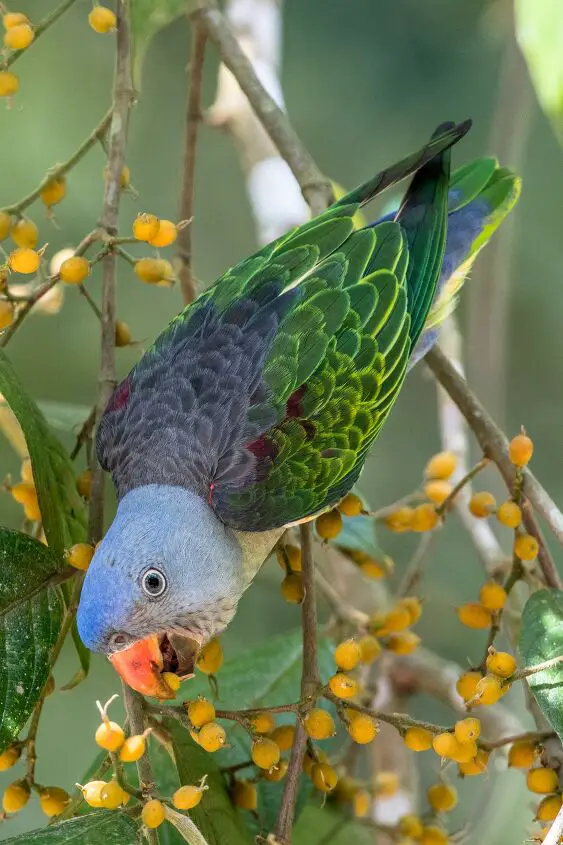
x=145 y=664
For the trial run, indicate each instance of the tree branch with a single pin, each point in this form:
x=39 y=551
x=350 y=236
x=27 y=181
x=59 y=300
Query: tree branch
x=193 y=119
x=495 y=446
x=316 y=188
x=310 y=683
x=136 y=718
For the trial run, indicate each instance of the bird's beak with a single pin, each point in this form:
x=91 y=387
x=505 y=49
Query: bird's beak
x=142 y=664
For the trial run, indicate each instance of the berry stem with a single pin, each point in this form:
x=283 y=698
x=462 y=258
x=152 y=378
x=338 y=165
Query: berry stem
x=533 y=670
x=443 y=508
x=41 y=27
x=193 y=119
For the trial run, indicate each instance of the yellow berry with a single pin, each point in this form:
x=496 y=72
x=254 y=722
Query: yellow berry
x=441 y=465
x=319 y=724
x=424 y=518
x=442 y=797
x=54 y=191
x=122 y=334
x=526 y=547
x=113 y=796
x=133 y=749
x=5 y=224
x=376 y=569
x=245 y=795
x=262 y=723
x=347 y=655
x=80 y=556
x=437 y=490
x=200 y=712
x=343 y=686
x=210 y=658
x=370 y=649
x=489 y=690
x=31 y=510
x=146 y=226
x=492 y=595
x=166 y=234
x=474 y=615
x=265 y=753
x=25 y=233
x=523 y=754
x=404 y=642
x=501 y=663
x=410 y=826
x=53 y=800
x=386 y=784
x=418 y=739
x=361 y=803
x=6 y=314
x=9 y=757
x=289 y=555
x=467 y=751
x=9 y=84
x=15 y=796
x=362 y=728
x=482 y=504
x=10 y=19
x=433 y=835
x=324 y=777
x=92 y=792
x=74 y=270
x=292 y=588
x=400 y=520
x=109 y=735
x=187 y=797
x=19 y=37
x=284 y=736
x=397 y=619
x=467 y=685
x=520 y=450
x=329 y=525
x=153 y=811
x=445 y=745
x=548 y=808
x=477 y=765
x=351 y=505
x=24 y=260
x=152 y=270
x=23 y=492
x=277 y=772
x=212 y=736
x=542 y=781
x=84 y=483
x=467 y=730
x=102 y=19
x=172 y=680
x=413 y=606
x=509 y=514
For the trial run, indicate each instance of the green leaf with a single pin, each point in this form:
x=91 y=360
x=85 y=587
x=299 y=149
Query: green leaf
x=62 y=509
x=215 y=816
x=84 y=654
x=94 y=829
x=541 y=638
x=30 y=617
x=539 y=28
x=327 y=824
x=148 y=17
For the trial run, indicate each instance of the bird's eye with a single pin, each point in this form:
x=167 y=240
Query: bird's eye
x=153 y=583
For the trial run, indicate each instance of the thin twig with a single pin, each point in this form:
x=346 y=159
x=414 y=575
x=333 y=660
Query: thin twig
x=41 y=27
x=117 y=136
x=310 y=683
x=134 y=707
x=449 y=501
x=62 y=169
x=495 y=446
x=316 y=188
x=193 y=119
x=539 y=667
x=342 y=609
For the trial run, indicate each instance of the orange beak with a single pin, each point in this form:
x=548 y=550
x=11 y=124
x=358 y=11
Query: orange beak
x=141 y=666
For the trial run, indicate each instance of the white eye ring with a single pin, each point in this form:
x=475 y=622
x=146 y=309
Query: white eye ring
x=153 y=583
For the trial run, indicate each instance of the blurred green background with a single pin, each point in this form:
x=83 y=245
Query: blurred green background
x=365 y=82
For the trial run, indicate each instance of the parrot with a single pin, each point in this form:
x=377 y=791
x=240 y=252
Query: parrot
x=256 y=407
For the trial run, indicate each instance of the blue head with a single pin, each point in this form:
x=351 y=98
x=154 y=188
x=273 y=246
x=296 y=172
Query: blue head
x=167 y=566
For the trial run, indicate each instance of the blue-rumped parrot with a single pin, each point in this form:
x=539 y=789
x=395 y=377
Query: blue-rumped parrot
x=256 y=407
